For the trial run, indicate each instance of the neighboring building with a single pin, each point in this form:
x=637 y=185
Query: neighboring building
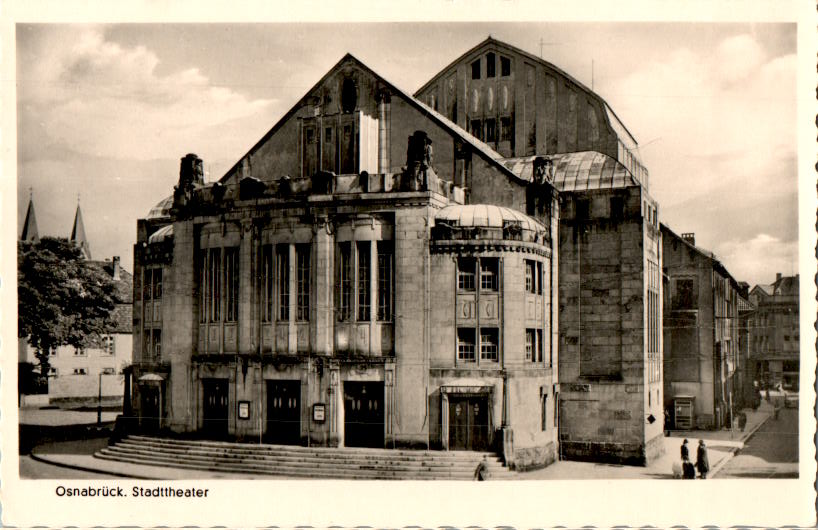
x=338 y=286
x=82 y=375
x=775 y=333
x=702 y=336
x=610 y=324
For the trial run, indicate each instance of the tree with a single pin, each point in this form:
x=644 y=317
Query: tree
x=62 y=300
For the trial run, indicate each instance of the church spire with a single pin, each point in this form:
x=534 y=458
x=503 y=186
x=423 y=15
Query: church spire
x=30 y=225
x=78 y=233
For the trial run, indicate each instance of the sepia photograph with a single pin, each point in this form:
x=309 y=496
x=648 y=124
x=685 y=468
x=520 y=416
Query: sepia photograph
x=562 y=257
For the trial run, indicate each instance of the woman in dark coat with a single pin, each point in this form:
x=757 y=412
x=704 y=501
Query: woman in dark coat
x=702 y=463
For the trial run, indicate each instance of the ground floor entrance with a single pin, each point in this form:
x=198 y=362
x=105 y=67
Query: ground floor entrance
x=149 y=401
x=283 y=412
x=469 y=423
x=364 y=413
x=214 y=407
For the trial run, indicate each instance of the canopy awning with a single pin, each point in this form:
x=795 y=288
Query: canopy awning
x=467 y=386
x=151 y=378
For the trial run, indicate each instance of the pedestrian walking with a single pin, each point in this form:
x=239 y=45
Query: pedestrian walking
x=702 y=463
x=482 y=470
x=685 y=451
x=688 y=470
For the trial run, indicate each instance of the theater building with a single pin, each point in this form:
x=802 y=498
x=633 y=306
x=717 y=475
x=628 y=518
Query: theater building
x=368 y=274
x=545 y=122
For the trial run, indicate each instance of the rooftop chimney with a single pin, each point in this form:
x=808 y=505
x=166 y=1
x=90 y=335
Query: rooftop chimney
x=777 y=277
x=690 y=237
x=116 y=268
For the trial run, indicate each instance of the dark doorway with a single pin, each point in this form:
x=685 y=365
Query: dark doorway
x=363 y=414
x=149 y=409
x=215 y=407
x=283 y=412
x=468 y=423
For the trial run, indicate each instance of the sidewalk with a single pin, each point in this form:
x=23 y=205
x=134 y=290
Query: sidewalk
x=721 y=446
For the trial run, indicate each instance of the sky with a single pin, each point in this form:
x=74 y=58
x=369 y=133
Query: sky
x=105 y=112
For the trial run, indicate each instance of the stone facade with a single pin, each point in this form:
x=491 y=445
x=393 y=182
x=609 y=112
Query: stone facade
x=774 y=333
x=552 y=128
x=311 y=295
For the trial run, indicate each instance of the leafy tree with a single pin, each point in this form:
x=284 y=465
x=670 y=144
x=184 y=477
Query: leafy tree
x=63 y=300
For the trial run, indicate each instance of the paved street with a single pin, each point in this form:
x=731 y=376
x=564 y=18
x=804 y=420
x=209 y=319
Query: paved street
x=32 y=469
x=772 y=452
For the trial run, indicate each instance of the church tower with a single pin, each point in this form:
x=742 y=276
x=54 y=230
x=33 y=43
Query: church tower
x=78 y=234
x=30 y=232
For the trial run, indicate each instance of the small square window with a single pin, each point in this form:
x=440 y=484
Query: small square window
x=80 y=371
x=108 y=371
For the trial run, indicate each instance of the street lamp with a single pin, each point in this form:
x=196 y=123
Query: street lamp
x=99 y=400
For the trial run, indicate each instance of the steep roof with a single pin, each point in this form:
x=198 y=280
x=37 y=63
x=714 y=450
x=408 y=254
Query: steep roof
x=30 y=232
x=786 y=286
x=123 y=295
x=706 y=254
x=78 y=234
x=483 y=150
x=616 y=123
x=580 y=171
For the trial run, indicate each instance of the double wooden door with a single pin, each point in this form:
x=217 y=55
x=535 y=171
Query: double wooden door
x=284 y=412
x=468 y=423
x=363 y=414
x=215 y=407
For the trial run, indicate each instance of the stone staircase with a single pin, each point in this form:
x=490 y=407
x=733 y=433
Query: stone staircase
x=305 y=462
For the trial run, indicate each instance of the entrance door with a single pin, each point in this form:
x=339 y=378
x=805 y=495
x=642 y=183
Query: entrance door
x=363 y=414
x=468 y=423
x=283 y=412
x=683 y=413
x=149 y=409
x=215 y=407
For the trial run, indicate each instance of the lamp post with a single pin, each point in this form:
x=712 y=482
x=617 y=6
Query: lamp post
x=99 y=400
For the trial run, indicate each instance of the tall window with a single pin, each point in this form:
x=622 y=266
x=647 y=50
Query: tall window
x=530 y=276
x=533 y=345
x=490 y=65
x=385 y=259
x=363 y=280
x=475 y=69
x=466 y=273
x=283 y=281
x=231 y=283
x=491 y=130
x=344 y=281
x=489 y=344
x=530 y=345
x=110 y=344
x=210 y=291
x=267 y=283
x=543 y=414
x=302 y=258
x=465 y=344
x=477 y=129
x=152 y=287
x=489 y=274
x=505 y=66
x=358 y=276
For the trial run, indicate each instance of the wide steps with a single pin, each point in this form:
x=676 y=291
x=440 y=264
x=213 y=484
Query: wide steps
x=304 y=462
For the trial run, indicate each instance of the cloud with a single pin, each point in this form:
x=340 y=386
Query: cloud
x=97 y=97
x=758 y=259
